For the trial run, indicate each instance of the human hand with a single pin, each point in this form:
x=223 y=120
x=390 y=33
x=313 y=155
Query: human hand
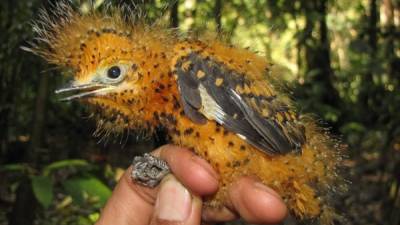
x=177 y=200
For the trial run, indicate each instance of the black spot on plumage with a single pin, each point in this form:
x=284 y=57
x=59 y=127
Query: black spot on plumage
x=171 y=119
x=165 y=99
x=211 y=139
x=134 y=67
x=83 y=46
x=236 y=163
x=163 y=114
x=176 y=103
x=217 y=129
x=156 y=116
x=188 y=131
x=176 y=131
x=107 y=30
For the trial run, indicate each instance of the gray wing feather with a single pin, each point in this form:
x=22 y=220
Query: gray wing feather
x=231 y=109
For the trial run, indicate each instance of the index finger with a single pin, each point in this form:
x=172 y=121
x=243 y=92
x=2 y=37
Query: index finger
x=194 y=172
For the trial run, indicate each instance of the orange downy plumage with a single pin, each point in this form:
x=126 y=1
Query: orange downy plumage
x=149 y=97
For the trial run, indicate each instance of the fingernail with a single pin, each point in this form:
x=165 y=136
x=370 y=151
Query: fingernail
x=201 y=162
x=173 y=201
x=264 y=188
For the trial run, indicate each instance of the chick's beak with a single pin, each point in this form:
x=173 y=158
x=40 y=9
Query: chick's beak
x=82 y=91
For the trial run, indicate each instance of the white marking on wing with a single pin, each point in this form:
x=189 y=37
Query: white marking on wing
x=241 y=136
x=210 y=108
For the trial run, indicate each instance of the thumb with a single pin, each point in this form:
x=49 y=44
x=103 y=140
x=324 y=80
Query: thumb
x=176 y=205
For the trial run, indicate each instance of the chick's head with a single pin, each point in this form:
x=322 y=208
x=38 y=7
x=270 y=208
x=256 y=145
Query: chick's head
x=107 y=55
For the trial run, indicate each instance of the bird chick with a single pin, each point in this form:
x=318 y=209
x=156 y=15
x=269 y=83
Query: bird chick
x=221 y=101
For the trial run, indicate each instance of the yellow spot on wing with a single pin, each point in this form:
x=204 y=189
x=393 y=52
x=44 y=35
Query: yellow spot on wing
x=200 y=74
x=279 y=117
x=293 y=116
x=186 y=65
x=219 y=81
x=265 y=113
x=247 y=89
x=239 y=89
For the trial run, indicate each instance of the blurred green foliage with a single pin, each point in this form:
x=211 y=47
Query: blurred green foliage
x=340 y=58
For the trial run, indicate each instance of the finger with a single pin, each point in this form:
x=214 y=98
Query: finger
x=192 y=171
x=175 y=205
x=130 y=197
x=127 y=198
x=222 y=214
x=256 y=203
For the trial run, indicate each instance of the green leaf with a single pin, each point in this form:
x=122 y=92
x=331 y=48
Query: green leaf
x=64 y=163
x=17 y=167
x=83 y=221
x=81 y=187
x=43 y=189
x=353 y=127
x=94 y=217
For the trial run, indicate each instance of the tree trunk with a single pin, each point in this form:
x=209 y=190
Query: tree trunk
x=39 y=120
x=7 y=83
x=217 y=15
x=25 y=205
x=367 y=89
x=390 y=36
x=174 y=16
x=322 y=60
x=373 y=36
x=317 y=53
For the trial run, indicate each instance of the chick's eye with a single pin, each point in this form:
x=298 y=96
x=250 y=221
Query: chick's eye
x=114 y=72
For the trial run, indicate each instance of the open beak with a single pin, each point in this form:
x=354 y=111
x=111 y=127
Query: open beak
x=83 y=91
